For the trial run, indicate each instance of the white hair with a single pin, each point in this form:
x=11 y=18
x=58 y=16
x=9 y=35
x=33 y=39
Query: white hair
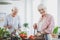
x=41 y=6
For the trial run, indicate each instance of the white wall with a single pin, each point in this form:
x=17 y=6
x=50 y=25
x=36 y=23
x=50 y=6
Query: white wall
x=58 y=12
x=52 y=9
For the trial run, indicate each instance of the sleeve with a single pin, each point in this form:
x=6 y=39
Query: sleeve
x=50 y=26
x=44 y=26
x=19 y=25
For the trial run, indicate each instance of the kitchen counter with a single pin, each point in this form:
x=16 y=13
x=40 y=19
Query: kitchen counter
x=35 y=38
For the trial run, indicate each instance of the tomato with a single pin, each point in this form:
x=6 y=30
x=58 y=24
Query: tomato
x=23 y=35
x=31 y=37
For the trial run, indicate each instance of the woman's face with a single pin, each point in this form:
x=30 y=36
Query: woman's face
x=42 y=11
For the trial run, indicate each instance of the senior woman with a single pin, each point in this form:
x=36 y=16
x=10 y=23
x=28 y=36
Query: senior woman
x=45 y=24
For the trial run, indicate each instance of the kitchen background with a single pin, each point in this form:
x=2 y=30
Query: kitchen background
x=28 y=11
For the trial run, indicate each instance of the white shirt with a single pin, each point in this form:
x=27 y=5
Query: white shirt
x=40 y=24
x=13 y=21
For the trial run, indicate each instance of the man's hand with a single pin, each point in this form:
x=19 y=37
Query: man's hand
x=19 y=29
x=9 y=26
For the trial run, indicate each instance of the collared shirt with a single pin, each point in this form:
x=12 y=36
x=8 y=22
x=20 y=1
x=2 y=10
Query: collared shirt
x=46 y=24
x=12 y=21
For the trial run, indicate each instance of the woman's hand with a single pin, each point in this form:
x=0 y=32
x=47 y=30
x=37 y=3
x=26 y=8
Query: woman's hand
x=35 y=26
x=38 y=34
x=43 y=33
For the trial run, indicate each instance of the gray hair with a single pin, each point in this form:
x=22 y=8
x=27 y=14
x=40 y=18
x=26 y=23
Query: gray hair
x=41 y=6
x=14 y=8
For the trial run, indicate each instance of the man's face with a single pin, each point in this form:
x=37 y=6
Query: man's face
x=42 y=11
x=14 y=11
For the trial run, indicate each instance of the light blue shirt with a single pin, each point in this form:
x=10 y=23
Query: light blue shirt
x=13 y=21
